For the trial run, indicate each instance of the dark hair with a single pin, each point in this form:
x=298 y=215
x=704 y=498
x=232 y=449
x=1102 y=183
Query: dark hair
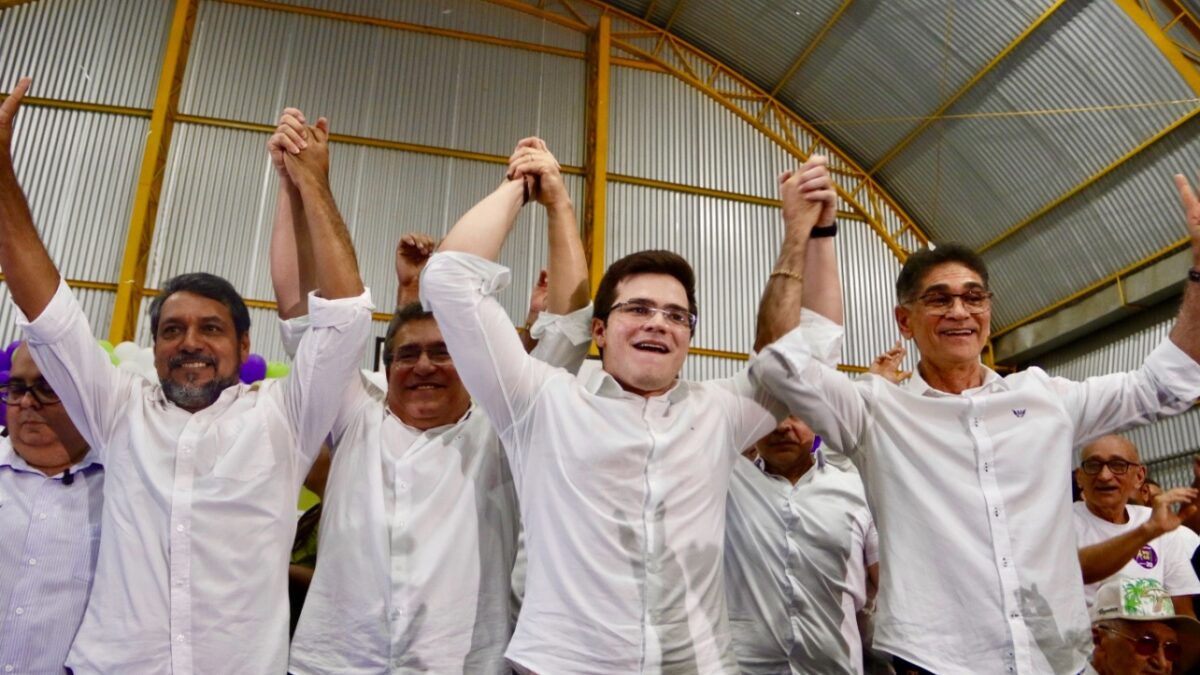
x=413 y=311
x=643 y=262
x=918 y=265
x=210 y=286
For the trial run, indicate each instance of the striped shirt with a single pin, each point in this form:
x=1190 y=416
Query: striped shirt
x=51 y=533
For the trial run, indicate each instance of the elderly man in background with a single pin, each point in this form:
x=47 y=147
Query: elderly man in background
x=967 y=471
x=51 y=491
x=1118 y=538
x=1137 y=631
x=202 y=472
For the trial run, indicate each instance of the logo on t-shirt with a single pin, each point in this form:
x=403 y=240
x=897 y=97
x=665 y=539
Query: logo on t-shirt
x=1146 y=557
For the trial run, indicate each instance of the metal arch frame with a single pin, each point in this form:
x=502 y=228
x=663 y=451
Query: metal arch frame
x=755 y=106
x=811 y=47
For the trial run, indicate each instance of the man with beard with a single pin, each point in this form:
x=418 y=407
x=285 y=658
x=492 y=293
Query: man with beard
x=202 y=473
x=51 y=496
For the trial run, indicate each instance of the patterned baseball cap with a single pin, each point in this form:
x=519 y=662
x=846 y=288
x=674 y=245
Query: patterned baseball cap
x=1140 y=600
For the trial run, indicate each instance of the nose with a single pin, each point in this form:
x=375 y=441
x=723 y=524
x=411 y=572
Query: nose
x=656 y=321
x=28 y=400
x=191 y=340
x=424 y=364
x=958 y=308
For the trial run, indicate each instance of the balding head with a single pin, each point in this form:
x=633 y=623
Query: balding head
x=1109 y=474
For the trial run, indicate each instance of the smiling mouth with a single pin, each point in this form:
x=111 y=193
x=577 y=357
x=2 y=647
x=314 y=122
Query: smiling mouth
x=959 y=332
x=653 y=347
x=425 y=386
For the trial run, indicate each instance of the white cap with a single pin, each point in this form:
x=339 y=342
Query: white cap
x=1140 y=600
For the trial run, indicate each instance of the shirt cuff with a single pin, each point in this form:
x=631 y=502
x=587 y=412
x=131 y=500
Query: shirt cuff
x=1175 y=371
x=824 y=337
x=54 y=320
x=576 y=326
x=325 y=313
x=493 y=277
x=290 y=332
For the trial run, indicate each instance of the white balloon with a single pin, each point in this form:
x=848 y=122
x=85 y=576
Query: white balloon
x=145 y=356
x=132 y=366
x=126 y=351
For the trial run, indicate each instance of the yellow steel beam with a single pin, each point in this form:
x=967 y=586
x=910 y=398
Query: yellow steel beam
x=84 y=283
x=1095 y=286
x=666 y=29
x=1057 y=201
x=991 y=65
x=9 y=4
x=649 y=10
x=1169 y=50
x=812 y=46
x=741 y=356
x=154 y=157
x=596 y=174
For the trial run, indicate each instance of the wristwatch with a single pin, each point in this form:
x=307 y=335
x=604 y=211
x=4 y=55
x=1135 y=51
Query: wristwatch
x=827 y=231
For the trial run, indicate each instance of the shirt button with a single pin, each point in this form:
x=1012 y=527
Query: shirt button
x=179 y=528
x=403 y=485
x=19 y=611
x=33 y=561
x=8 y=668
x=41 y=516
x=1015 y=615
x=179 y=638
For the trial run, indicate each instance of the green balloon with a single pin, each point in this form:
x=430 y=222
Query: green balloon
x=106 y=346
x=114 y=359
x=277 y=369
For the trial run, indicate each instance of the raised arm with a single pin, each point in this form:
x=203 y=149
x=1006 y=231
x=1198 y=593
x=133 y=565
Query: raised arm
x=334 y=262
x=1101 y=561
x=31 y=276
x=1186 y=332
x=482 y=230
x=412 y=252
x=809 y=201
x=292 y=273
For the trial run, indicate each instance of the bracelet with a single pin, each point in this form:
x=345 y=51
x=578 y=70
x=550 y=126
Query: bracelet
x=827 y=231
x=789 y=274
x=1194 y=275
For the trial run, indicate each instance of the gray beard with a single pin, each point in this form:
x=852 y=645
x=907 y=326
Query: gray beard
x=195 y=397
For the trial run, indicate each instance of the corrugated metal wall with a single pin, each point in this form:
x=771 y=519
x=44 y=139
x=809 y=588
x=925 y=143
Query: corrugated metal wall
x=1166 y=446
x=389 y=85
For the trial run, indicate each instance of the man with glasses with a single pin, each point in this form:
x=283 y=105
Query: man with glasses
x=1117 y=538
x=51 y=491
x=967 y=471
x=1137 y=630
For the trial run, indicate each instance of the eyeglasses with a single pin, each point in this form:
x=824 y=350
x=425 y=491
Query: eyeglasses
x=42 y=392
x=409 y=355
x=939 y=303
x=1148 y=645
x=1118 y=467
x=643 y=312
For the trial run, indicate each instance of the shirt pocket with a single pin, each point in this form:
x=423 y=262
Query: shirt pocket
x=242 y=448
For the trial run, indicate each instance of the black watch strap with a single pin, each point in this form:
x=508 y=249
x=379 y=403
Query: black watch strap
x=827 y=231
x=1194 y=275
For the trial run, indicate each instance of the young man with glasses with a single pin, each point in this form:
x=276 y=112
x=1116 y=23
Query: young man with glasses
x=967 y=471
x=51 y=498
x=1136 y=630
x=1118 y=538
x=622 y=474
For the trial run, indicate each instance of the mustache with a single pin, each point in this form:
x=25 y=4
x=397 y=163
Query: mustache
x=179 y=359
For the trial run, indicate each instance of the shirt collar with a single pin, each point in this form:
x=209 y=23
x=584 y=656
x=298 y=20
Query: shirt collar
x=917 y=384
x=601 y=383
x=10 y=458
x=433 y=431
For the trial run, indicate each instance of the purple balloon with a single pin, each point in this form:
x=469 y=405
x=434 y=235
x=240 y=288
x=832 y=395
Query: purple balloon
x=254 y=368
x=12 y=347
x=4 y=408
x=5 y=363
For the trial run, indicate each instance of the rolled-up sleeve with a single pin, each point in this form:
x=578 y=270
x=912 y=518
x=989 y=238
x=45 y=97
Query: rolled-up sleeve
x=327 y=360
x=563 y=339
x=92 y=390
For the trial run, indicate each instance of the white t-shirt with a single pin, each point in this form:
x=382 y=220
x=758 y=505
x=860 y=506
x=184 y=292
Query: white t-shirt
x=1167 y=558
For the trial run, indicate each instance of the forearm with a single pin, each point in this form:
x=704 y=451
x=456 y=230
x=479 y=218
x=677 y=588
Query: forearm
x=1186 y=331
x=822 y=287
x=292 y=275
x=779 y=309
x=1101 y=561
x=482 y=230
x=408 y=293
x=334 y=262
x=28 y=270
x=567 y=271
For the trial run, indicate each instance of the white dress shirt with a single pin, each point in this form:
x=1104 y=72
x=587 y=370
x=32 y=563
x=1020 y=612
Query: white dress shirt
x=417 y=540
x=50 y=532
x=622 y=497
x=795 y=569
x=1167 y=559
x=971 y=495
x=200 y=508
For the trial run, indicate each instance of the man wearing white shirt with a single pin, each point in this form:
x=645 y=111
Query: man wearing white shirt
x=1118 y=538
x=202 y=472
x=800 y=544
x=966 y=472
x=622 y=475
x=419 y=530
x=51 y=497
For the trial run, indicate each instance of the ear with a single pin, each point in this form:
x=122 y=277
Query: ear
x=1096 y=637
x=598 y=332
x=902 y=316
x=244 y=346
x=1139 y=479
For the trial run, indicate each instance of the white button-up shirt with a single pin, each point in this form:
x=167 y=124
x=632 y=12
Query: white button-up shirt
x=622 y=497
x=1167 y=559
x=971 y=496
x=418 y=535
x=200 y=509
x=50 y=532
x=795 y=569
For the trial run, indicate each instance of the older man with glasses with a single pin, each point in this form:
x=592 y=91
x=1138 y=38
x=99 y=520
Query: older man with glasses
x=1117 y=538
x=1137 y=630
x=51 y=491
